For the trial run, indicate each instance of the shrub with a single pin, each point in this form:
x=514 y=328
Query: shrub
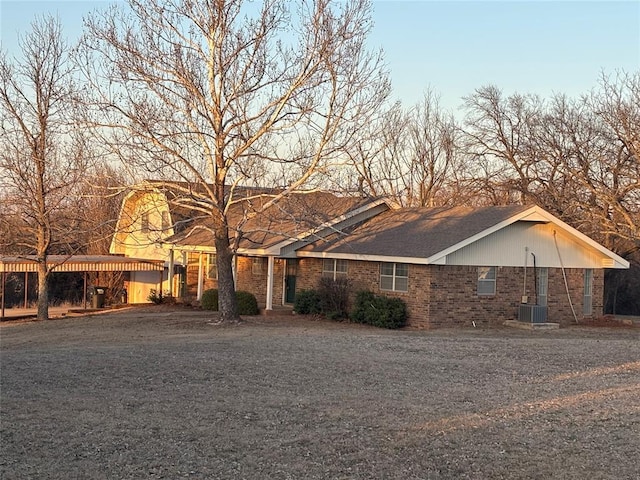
x=307 y=302
x=247 y=303
x=155 y=296
x=209 y=299
x=334 y=297
x=379 y=311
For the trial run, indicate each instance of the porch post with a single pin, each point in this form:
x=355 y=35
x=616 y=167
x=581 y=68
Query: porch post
x=170 y=274
x=234 y=271
x=84 y=292
x=4 y=278
x=200 y=277
x=270 y=262
x=26 y=289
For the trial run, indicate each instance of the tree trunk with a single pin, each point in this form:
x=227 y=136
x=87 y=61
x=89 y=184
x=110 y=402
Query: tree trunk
x=227 y=303
x=43 y=291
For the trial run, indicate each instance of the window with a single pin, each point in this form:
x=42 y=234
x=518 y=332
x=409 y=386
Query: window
x=332 y=268
x=394 y=277
x=542 y=285
x=256 y=265
x=486 y=280
x=587 y=302
x=212 y=268
x=144 y=222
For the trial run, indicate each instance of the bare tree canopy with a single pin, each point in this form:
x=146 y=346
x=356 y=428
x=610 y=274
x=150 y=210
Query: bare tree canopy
x=41 y=151
x=218 y=93
x=410 y=155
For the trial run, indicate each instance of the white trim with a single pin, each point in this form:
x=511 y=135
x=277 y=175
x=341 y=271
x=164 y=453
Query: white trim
x=170 y=272
x=270 y=263
x=365 y=258
x=200 y=276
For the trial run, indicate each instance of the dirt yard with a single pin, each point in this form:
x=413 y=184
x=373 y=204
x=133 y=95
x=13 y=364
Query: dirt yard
x=157 y=393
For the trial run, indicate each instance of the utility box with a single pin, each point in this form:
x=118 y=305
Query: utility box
x=97 y=296
x=532 y=313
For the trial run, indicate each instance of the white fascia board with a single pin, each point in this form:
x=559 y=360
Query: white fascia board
x=365 y=258
x=352 y=213
x=257 y=252
x=192 y=248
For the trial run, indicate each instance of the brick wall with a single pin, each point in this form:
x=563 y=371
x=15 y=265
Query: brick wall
x=559 y=306
x=455 y=299
x=438 y=295
x=256 y=282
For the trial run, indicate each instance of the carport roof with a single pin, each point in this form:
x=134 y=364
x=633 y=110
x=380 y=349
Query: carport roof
x=80 y=263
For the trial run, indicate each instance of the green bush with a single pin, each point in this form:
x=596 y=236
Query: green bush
x=209 y=299
x=307 y=302
x=379 y=311
x=247 y=303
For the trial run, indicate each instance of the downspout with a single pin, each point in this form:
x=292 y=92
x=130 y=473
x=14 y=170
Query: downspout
x=524 y=283
x=535 y=276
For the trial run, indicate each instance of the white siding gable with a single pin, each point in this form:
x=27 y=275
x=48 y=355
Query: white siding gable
x=506 y=248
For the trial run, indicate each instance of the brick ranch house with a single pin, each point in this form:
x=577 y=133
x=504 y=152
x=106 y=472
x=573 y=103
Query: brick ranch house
x=451 y=265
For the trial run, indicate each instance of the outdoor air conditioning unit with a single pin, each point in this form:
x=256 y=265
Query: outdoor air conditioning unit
x=532 y=313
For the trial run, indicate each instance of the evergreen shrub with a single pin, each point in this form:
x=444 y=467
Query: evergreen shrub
x=247 y=303
x=379 y=311
x=209 y=300
x=307 y=302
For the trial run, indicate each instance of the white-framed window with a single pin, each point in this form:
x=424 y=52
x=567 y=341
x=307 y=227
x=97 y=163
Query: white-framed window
x=587 y=302
x=394 y=277
x=256 y=265
x=486 y=281
x=542 y=285
x=333 y=268
x=212 y=267
x=144 y=222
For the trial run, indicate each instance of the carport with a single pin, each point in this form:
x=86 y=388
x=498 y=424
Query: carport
x=76 y=263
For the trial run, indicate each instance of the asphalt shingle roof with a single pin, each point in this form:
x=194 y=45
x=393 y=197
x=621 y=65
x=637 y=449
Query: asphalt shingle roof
x=289 y=218
x=416 y=232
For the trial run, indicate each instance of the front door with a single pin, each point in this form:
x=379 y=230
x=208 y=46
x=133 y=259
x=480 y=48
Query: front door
x=290 y=280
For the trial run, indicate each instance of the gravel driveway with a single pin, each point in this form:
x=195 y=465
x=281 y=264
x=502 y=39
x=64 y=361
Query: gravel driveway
x=160 y=393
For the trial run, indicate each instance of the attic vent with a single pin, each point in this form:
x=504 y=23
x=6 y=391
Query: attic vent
x=608 y=262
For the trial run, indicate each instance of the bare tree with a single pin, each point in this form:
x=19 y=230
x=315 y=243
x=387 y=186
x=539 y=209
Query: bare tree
x=617 y=105
x=41 y=152
x=498 y=132
x=409 y=155
x=212 y=91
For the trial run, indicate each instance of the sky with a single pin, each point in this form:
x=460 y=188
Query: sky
x=453 y=47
